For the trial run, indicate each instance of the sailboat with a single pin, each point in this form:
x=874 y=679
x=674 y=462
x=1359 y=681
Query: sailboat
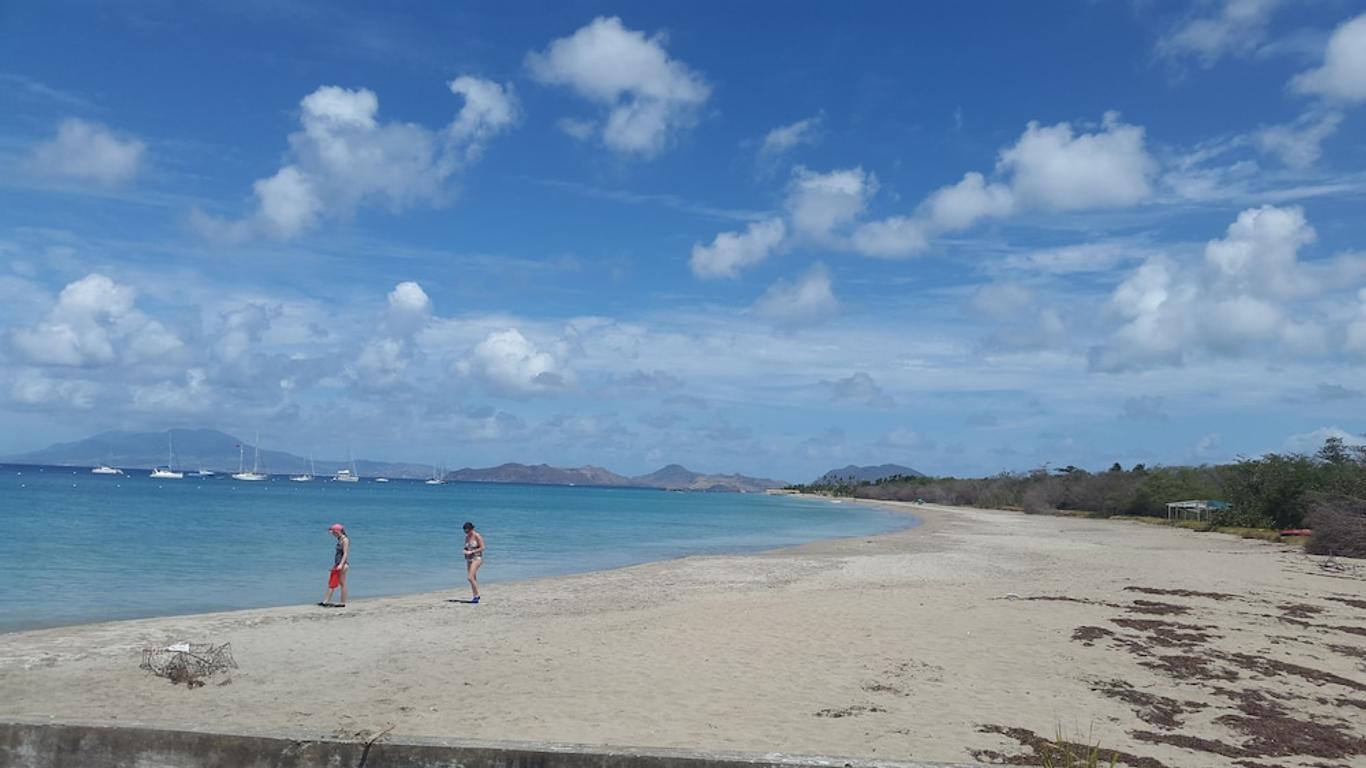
x=255 y=474
x=105 y=469
x=348 y=475
x=166 y=473
x=308 y=478
x=437 y=478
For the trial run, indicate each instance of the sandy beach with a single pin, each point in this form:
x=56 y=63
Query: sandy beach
x=961 y=639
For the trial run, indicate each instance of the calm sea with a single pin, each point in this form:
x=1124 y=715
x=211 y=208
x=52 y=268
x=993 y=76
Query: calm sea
x=77 y=547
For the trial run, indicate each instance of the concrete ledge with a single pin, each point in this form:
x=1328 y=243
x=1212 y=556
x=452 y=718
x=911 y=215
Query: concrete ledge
x=46 y=744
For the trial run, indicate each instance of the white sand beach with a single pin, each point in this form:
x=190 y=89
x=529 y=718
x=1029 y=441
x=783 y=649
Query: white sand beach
x=951 y=641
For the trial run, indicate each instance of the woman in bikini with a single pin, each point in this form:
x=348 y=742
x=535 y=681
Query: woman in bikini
x=341 y=563
x=474 y=557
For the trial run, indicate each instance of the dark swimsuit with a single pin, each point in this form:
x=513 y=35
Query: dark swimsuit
x=341 y=552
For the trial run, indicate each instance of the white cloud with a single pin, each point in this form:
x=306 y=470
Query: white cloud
x=489 y=110
x=410 y=309
x=345 y=158
x=861 y=389
x=1002 y=300
x=1356 y=330
x=731 y=252
x=32 y=389
x=1053 y=169
x=786 y=138
x=647 y=96
x=193 y=395
x=511 y=365
x=1241 y=296
x=809 y=298
x=1310 y=442
x=89 y=151
x=381 y=365
x=94 y=323
x=820 y=204
x=1342 y=77
x=1076 y=259
x=583 y=130
x=1299 y=144
x=1050 y=168
x=1237 y=30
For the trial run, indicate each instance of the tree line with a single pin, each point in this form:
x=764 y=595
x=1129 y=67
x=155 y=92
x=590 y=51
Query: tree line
x=1270 y=491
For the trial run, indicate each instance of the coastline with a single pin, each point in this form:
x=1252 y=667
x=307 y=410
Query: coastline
x=954 y=635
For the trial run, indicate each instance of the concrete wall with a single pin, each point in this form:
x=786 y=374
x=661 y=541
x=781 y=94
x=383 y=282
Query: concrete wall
x=35 y=744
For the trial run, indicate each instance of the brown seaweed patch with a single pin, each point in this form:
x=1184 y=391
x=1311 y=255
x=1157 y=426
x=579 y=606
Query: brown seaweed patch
x=1088 y=635
x=1355 y=651
x=1349 y=601
x=1042 y=751
x=1154 y=608
x=1274 y=667
x=1181 y=593
x=1172 y=634
x=1299 y=610
x=850 y=711
x=1274 y=733
x=1157 y=710
x=1188 y=667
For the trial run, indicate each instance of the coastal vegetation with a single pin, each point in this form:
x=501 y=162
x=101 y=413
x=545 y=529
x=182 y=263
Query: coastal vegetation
x=1264 y=495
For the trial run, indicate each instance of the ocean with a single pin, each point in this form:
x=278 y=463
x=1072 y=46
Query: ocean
x=78 y=548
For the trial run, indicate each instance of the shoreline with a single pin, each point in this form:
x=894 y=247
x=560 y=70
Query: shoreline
x=966 y=635
x=890 y=506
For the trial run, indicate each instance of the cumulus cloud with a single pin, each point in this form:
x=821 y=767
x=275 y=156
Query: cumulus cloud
x=809 y=298
x=1342 y=76
x=344 y=158
x=1050 y=168
x=1237 y=29
x=32 y=389
x=511 y=365
x=730 y=252
x=1242 y=294
x=192 y=395
x=94 y=323
x=786 y=138
x=820 y=204
x=647 y=97
x=89 y=151
x=860 y=389
x=410 y=309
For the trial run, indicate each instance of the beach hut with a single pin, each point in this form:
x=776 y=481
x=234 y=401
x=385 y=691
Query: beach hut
x=1195 y=509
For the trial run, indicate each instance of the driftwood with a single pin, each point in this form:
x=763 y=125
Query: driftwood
x=188 y=663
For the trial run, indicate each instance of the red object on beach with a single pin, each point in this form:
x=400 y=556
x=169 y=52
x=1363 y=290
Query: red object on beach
x=1297 y=532
x=334 y=578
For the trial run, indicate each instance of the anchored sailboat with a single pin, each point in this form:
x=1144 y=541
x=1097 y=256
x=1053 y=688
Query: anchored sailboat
x=437 y=478
x=166 y=473
x=255 y=474
x=308 y=478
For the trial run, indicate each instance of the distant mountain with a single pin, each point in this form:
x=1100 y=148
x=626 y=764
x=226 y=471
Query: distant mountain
x=195 y=449
x=218 y=451
x=676 y=477
x=855 y=474
x=672 y=477
x=539 y=474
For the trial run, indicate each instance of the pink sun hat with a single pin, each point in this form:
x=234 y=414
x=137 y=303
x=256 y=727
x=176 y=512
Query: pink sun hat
x=337 y=527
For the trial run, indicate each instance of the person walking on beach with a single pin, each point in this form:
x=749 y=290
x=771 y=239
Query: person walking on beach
x=474 y=557
x=341 y=563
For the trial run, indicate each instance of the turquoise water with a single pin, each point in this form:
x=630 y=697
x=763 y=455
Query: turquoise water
x=77 y=547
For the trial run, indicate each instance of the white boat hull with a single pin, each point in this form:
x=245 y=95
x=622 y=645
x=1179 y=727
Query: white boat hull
x=249 y=476
x=162 y=474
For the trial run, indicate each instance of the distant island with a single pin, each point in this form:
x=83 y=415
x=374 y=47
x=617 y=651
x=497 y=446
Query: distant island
x=220 y=452
x=855 y=474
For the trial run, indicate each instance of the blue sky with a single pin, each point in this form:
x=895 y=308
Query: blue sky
x=768 y=238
